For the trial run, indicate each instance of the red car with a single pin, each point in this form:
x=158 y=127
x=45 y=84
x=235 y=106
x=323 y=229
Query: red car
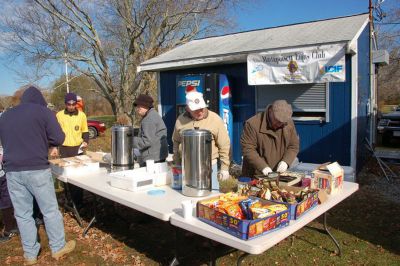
x=95 y=128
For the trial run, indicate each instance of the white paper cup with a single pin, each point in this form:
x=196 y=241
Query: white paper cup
x=150 y=167
x=187 y=209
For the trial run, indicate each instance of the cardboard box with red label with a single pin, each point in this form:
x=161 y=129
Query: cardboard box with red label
x=328 y=177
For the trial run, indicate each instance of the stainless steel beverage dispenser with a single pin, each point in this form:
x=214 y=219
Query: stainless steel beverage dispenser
x=121 y=147
x=196 y=162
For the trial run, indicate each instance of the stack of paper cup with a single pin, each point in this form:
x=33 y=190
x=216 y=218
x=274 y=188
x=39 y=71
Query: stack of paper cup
x=187 y=209
x=150 y=167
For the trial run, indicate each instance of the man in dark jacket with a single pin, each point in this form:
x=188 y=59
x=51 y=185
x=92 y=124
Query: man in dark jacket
x=151 y=143
x=27 y=131
x=269 y=141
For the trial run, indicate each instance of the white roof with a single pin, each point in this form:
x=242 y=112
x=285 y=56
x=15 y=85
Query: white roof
x=234 y=48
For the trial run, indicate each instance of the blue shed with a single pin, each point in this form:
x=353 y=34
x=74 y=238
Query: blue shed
x=332 y=118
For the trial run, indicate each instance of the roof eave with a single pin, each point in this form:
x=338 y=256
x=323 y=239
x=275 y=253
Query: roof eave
x=196 y=62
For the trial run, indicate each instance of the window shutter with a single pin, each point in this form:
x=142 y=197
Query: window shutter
x=304 y=98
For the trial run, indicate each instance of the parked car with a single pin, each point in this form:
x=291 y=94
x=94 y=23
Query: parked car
x=389 y=126
x=95 y=128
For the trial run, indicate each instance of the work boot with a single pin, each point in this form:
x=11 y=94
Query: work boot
x=38 y=222
x=7 y=236
x=69 y=246
x=4 y=239
x=31 y=261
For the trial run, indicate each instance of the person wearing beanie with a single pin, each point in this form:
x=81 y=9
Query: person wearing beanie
x=74 y=124
x=151 y=142
x=29 y=132
x=269 y=141
x=197 y=115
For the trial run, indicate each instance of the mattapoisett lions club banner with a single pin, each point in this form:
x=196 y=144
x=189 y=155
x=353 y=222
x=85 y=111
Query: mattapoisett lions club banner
x=318 y=64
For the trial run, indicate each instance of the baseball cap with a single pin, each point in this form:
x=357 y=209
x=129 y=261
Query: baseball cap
x=70 y=98
x=282 y=111
x=195 y=100
x=144 y=100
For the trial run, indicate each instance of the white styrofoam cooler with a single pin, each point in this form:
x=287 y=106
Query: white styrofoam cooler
x=141 y=178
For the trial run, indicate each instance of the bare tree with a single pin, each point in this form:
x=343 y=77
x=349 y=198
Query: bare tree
x=107 y=39
x=388 y=29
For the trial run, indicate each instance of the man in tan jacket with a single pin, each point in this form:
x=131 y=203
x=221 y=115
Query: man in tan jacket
x=269 y=140
x=198 y=116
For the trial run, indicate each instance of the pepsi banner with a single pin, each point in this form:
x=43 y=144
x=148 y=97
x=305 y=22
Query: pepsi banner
x=225 y=104
x=317 y=64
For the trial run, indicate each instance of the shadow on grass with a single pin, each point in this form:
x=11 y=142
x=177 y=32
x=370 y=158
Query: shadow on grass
x=373 y=212
x=149 y=236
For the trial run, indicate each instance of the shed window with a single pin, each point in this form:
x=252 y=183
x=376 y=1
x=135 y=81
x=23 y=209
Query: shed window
x=310 y=102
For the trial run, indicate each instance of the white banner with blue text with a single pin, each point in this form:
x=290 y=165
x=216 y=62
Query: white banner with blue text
x=317 y=64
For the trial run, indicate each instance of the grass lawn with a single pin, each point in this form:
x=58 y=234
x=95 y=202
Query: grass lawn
x=367 y=226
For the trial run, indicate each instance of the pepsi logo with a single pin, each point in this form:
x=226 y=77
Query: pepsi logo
x=225 y=92
x=190 y=88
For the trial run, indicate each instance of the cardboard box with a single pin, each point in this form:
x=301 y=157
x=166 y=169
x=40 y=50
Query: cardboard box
x=74 y=166
x=328 y=177
x=296 y=210
x=243 y=229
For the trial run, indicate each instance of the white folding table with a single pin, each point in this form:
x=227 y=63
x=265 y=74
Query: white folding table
x=159 y=206
x=262 y=243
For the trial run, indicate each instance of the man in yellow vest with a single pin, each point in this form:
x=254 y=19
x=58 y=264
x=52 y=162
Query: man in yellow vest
x=74 y=124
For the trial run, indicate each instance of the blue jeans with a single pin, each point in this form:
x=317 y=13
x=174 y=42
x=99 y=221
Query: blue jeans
x=23 y=186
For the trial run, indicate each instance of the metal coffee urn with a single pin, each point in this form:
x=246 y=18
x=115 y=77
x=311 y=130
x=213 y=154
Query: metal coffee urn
x=121 y=148
x=196 y=162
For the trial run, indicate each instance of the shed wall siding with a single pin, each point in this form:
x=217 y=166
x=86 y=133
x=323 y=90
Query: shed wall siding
x=319 y=142
x=364 y=94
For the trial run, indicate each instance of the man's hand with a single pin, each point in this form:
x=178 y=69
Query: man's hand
x=266 y=171
x=282 y=167
x=53 y=151
x=223 y=175
x=84 y=145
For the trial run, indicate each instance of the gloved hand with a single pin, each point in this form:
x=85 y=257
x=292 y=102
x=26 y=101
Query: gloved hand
x=223 y=175
x=282 y=167
x=266 y=171
x=136 y=152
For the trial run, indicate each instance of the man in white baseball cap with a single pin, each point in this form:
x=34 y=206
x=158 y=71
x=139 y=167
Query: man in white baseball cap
x=198 y=116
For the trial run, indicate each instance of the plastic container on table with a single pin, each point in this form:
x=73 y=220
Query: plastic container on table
x=176 y=177
x=243 y=184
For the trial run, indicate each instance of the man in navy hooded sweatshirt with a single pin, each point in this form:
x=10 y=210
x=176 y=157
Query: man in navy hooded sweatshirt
x=27 y=132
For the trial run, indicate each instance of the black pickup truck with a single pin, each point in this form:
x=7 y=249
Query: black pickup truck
x=389 y=126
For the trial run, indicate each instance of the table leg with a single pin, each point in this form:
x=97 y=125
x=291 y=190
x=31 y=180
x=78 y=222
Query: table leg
x=331 y=236
x=212 y=261
x=73 y=207
x=241 y=258
x=88 y=226
x=93 y=220
x=175 y=261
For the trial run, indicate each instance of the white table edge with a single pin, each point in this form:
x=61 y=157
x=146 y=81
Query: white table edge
x=262 y=243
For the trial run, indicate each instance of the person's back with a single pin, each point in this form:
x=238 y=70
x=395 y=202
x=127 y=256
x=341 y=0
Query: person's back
x=151 y=142
x=27 y=131
x=158 y=151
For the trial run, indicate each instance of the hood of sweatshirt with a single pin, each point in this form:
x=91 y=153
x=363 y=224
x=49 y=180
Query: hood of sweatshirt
x=33 y=95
